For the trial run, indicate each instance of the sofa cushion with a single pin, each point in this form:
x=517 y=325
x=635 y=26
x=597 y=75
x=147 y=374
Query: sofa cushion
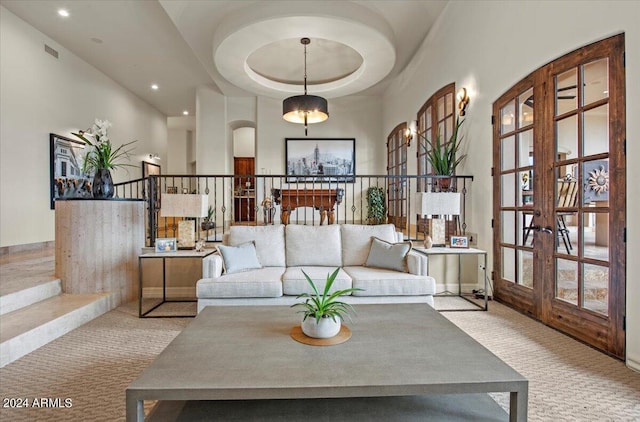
x=239 y=258
x=269 y=242
x=265 y=282
x=389 y=256
x=356 y=241
x=380 y=282
x=313 y=245
x=294 y=282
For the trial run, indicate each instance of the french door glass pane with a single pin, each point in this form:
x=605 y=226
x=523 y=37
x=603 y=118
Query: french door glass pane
x=595 y=175
x=507 y=118
x=596 y=131
x=595 y=81
x=448 y=104
x=525 y=148
x=508 y=183
x=567 y=281
x=595 y=235
x=525 y=115
x=566 y=92
x=440 y=108
x=566 y=233
x=508 y=219
x=509 y=264
x=525 y=268
x=525 y=233
x=508 y=151
x=595 y=291
x=567 y=138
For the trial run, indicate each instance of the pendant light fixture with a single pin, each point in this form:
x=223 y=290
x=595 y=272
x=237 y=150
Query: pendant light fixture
x=305 y=108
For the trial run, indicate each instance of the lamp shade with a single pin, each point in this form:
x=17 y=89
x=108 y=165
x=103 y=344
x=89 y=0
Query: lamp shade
x=314 y=107
x=184 y=205
x=438 y=203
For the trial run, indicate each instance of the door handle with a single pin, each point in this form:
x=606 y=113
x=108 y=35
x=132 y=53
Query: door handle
x=542 y=229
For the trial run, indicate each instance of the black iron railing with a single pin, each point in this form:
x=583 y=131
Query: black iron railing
x=263 y=199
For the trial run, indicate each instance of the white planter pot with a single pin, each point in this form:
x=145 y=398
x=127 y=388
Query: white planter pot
x=326 y=328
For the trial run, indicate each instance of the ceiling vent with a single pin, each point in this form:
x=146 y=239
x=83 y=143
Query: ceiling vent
x=51 y=51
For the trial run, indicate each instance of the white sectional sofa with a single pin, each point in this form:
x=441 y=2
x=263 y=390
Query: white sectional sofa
x=283 y=251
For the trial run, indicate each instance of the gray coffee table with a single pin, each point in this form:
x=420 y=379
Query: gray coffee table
x=246 y=353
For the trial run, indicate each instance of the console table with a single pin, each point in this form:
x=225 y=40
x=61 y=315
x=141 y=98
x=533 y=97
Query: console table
x=323 y=200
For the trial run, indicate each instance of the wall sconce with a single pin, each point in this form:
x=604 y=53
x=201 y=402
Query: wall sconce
x=154 y=156
x=408 y=136
x=463 y=100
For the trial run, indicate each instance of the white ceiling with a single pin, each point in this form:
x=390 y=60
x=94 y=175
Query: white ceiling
x=240 y=47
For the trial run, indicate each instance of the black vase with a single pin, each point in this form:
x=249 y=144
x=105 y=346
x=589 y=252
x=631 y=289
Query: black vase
x=102 y=184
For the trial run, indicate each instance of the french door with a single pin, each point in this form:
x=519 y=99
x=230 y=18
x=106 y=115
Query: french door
x=560 y=195
x=397 y=185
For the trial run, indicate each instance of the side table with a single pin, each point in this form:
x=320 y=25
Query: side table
x=459 y=252
x=165 y=256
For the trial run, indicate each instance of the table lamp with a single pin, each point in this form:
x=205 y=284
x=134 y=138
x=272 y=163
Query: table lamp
x=185 y=205
x=438 y=204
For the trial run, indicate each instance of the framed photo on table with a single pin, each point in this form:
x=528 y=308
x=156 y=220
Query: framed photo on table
x=320 y=159
x=459 y=242
x=166 y=244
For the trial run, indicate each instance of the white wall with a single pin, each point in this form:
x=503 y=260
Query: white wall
x=177 y=145
x=40 y=95
x=489 y=46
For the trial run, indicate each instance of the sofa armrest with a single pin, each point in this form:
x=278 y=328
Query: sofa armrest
x=212 y=266
x=417 y=263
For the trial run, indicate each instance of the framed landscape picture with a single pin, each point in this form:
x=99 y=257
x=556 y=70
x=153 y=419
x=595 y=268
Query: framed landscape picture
x=67 y=178
x=320 y=159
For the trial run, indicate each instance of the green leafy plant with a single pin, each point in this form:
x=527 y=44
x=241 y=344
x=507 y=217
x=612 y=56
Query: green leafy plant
x=103 y=155
x=325 y=305
x=443 y=156
x=377 y=205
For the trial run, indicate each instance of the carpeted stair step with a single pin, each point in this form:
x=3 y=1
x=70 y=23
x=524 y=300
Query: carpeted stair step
x=19 y=299
x=33 y=326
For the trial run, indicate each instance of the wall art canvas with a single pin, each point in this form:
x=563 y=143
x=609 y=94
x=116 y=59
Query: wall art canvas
x=67 y=178
x=320 y=159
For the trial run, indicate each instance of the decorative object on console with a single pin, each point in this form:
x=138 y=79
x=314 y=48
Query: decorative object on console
x=428 y=242
x=443 y=156
x=459 y=242
x=189 y=206
x=208 y=222
x=323 y=313
x=102 y=158
x=305 y=108
x=438 y=204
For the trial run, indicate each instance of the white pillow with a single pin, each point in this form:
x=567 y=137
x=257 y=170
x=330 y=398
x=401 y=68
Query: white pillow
x=239 y=258
x=390 y=256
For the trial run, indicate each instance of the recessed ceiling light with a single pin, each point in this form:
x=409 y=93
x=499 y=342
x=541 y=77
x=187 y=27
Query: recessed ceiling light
x=154 y=87
x=64 y=13
x=186 y=113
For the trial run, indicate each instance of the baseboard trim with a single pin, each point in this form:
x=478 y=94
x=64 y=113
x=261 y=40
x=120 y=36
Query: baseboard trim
x=28 y=247
x=633 y=364
x=181 y=292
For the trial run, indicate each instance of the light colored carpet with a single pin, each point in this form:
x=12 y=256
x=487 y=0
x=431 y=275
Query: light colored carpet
x=94 y=364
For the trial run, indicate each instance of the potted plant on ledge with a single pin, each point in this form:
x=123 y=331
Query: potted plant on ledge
x=443 y=156
x=323 y=312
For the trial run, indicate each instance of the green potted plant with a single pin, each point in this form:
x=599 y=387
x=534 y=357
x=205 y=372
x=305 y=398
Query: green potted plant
x=207 y=222
x=102 y=158
x=323 y=312
x=443 y=156
x=377 y=205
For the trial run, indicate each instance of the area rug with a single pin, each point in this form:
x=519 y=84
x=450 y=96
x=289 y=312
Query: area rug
x=93 y=365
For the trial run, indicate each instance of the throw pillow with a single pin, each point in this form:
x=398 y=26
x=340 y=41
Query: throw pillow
x=239 y=258
x=389 y=256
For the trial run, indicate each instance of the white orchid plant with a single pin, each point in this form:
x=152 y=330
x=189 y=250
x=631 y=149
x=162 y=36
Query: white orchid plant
x=103 y=155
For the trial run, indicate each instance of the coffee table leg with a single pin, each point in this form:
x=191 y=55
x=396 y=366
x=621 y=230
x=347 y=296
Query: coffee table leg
x=135 y=409
x=518 y=405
